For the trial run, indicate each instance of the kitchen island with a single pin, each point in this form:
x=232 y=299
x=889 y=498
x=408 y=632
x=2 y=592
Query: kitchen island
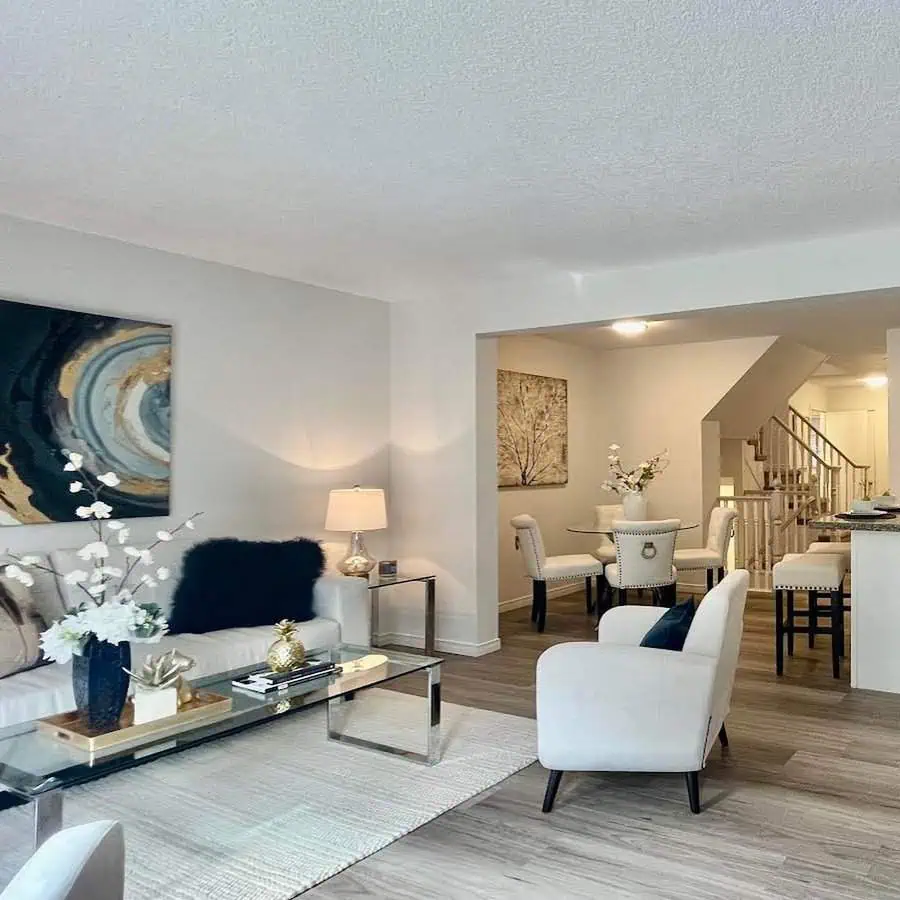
x=875 y=602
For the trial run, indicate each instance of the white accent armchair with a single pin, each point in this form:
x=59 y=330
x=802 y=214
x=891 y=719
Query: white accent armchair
x=614 y=706
x=82 y=863
x=541 y=568
x=714 y=555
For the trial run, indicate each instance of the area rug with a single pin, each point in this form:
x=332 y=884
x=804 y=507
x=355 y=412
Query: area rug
x=272 y=811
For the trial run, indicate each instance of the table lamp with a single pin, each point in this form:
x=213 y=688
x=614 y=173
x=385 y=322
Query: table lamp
x=356 y=510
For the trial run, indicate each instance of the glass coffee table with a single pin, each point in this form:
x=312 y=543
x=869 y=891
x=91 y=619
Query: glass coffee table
x=38 y=768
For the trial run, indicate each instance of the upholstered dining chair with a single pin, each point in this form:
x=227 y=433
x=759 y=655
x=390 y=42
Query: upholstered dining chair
x=541 y=568
x=604 y=516
x=714 y=555
x=614 y=706
x=644 y=552
x=86 y=862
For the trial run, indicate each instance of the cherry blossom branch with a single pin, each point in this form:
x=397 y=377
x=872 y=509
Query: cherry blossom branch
x=42 y=568
x=133 y=565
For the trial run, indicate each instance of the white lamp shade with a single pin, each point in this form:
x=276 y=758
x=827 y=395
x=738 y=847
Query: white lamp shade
x=356 y=509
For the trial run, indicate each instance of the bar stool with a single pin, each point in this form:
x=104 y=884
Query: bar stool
x=815 y=573
x=841 y=548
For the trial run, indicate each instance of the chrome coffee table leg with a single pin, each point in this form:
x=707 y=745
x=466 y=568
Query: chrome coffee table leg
x=337 y=723
x=434 y=715
x=375 y=626
x=48 y=808
x=429 y=615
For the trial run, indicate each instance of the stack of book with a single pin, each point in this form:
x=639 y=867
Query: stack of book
x=266 y=681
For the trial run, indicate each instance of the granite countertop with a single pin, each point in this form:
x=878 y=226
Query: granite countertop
x=835 y=524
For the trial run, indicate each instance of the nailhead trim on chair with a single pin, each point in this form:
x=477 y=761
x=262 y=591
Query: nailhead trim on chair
x=537 y=555
x=583 y=574
x=822 y=588
x=640 y=587
x=655 y=531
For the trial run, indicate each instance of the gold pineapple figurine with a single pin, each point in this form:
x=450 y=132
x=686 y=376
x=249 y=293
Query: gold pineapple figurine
x=287 y=652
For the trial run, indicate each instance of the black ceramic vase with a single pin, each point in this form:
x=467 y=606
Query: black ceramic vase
x=100 y=682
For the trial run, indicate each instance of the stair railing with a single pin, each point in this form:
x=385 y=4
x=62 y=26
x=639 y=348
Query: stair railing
x=797 y=466
x=791 y=522
x=853 y=478
x=753 y=531
x=770 y=525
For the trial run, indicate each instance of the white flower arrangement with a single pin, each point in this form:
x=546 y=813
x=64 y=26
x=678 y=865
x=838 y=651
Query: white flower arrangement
x=109 y=611
x=632 y=481
x=114 y=621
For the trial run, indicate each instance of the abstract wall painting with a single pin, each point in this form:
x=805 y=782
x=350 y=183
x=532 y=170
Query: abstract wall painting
x=93 y=384
x=532 y=430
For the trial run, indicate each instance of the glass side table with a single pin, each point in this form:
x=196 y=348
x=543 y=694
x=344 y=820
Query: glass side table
x=377 y=582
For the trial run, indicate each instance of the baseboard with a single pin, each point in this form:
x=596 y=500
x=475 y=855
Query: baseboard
x=458 y=648
x=558 y=590
x=576 y=585
x=685 y=587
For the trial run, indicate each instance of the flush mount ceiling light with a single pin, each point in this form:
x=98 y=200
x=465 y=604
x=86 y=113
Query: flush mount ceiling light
x=631 y=328
x=875 y=381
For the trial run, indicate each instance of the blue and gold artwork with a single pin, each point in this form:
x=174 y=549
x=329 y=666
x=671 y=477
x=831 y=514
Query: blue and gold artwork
x=93 y=384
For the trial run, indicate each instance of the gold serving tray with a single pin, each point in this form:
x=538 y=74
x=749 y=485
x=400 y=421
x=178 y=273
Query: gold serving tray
x=68 y=728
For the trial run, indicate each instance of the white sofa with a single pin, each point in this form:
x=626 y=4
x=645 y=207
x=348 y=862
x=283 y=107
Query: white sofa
x=342 y=616
x=614 y=706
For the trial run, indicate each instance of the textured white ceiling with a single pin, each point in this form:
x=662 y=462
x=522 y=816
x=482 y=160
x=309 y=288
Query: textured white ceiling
x=850 y=329
x=369 y=145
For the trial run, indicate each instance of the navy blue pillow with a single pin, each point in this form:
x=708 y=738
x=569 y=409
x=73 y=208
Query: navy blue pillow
x=671 y=631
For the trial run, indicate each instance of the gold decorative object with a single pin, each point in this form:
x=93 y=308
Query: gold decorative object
x=68 y=728
x=163 y=671
x=370 y=661
x=287 y=652
x=185 y=691
x=166 y=671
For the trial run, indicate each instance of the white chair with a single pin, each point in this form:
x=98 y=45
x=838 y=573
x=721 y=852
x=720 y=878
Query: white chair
x=614 y=706
x=714 y=555
x=82 y=863
x=644 y=552
x=541 y=568
x=604 y=516
x=838 y=548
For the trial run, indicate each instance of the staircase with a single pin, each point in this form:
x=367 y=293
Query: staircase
x=804 y=476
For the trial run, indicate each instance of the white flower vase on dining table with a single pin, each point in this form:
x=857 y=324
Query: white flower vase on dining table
x=635 y=505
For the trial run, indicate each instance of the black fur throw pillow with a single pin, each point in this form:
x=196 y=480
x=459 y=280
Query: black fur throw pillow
x=227 y=583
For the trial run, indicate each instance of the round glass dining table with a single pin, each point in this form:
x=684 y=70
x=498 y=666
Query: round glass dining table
x=604 y=528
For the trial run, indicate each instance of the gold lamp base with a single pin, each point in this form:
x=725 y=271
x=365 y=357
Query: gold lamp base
x=358 y=562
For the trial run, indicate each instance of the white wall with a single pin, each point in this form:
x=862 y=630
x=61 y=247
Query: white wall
x=847 y=432
x=556 y=506
x=280 y=390
x=765 y=388
x=435 y=477
x=809 y=398
x=711 y=460
x=893 y=391
x=844 y=431
x=656 y=398
x=437 y=467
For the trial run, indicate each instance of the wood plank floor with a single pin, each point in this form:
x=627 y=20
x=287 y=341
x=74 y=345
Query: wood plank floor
x=804 y=804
